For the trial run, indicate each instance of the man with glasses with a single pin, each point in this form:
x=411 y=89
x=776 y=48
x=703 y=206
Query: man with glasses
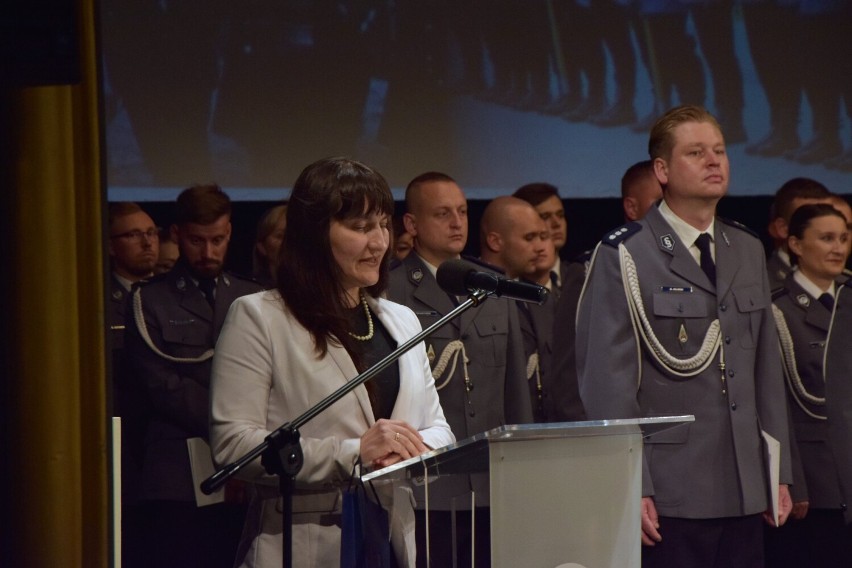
x=133 y=246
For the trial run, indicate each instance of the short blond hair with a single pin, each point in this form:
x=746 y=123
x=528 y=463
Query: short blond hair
x=661 y=140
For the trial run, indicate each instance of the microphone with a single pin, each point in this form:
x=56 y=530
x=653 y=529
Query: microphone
x=459 y=278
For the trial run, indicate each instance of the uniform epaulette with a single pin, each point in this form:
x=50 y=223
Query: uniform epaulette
x=848 y=282
x=621 y=234
x=738 y=225
x=778 y=292
x=483 y=264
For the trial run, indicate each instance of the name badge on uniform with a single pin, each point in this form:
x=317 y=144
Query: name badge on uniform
x=676 y=289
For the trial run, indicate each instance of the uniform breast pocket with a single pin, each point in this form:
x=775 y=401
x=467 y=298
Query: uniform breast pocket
x=493 y=332
x=751 y=302
x=188 y=338
x=680 y=321
x=672 y=305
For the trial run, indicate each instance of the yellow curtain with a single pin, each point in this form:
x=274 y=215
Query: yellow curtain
x=55 y=425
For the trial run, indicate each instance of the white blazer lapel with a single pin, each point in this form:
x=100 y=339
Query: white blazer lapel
x=400 y=336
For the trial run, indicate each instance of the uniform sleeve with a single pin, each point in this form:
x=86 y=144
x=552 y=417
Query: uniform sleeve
x=563 y=386
x=838 y=392
x=240 y=385
x=607 y=350
x=518 y=406
x=770 y=390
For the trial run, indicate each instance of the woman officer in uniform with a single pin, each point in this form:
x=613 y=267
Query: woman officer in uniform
x=819 y=241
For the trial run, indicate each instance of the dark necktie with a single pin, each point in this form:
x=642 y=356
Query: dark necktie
x=707 y=265
x=555 y=289
x=827 y=300
x=207 y=287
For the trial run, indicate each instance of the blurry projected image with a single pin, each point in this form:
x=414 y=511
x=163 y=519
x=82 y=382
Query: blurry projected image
x=495 y=93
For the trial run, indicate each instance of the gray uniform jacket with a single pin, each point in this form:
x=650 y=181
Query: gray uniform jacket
x=536 y=322
x=128 y=400
x=815 y=476
x=777 y=269
x=562 y=382
x=496 y=366
x=117 y=314
x=181 y=324
x=715 y=466
x=838 y=393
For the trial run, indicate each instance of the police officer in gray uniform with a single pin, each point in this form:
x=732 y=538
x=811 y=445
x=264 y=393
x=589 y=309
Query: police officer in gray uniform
x=819 y=242
x=477 y=360
x=169 y=341
x=133 y=248
x=703 y=343
x=515 y=241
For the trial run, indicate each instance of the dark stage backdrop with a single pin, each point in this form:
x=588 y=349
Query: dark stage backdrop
x=496 y=93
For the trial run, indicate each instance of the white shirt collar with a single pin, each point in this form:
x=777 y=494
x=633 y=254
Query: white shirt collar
x=686 y=232
x=429 y=266
x=784 y=256
x=811 y=288
x=125 y=283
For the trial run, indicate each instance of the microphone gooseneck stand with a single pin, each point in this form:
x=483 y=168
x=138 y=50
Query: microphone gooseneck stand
x=281 y=451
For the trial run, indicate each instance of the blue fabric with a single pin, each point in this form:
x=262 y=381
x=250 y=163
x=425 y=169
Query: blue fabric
x=365 y=539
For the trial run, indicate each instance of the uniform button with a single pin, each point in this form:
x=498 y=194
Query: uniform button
x=723 y=307
x=843 y=507
x=731 y=372
x=727 y=340
x=733 y=406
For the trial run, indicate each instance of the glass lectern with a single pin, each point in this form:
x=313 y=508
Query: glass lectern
x=560 y=494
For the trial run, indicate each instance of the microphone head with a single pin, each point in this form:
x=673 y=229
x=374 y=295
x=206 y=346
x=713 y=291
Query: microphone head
x=453 y=274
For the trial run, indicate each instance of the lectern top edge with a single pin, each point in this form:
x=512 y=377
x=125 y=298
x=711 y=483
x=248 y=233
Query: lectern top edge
x=518 y=432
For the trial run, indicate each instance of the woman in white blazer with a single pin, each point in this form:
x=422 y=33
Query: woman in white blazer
x=283 y=350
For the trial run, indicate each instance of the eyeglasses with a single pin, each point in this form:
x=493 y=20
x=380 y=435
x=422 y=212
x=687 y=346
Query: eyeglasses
x=136 y=235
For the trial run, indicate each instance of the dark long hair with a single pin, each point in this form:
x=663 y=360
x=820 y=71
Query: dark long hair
x=309 y=278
